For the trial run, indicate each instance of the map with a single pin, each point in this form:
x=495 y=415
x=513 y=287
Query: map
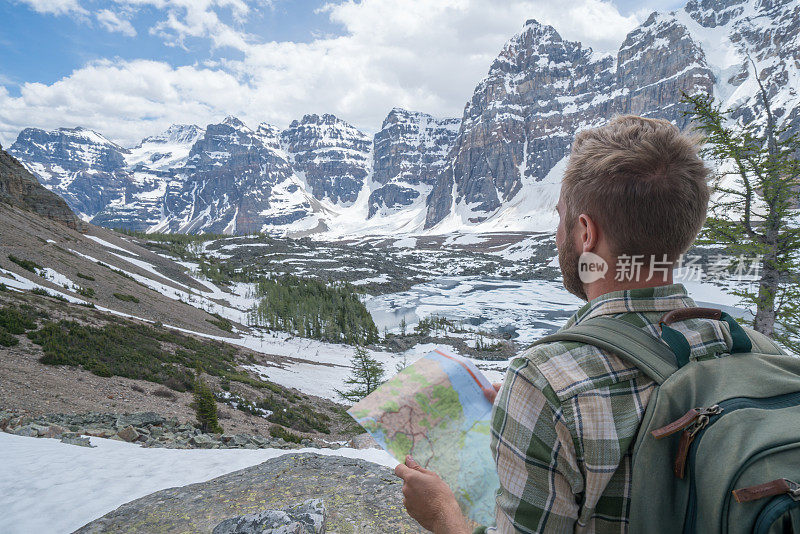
x=435 y=410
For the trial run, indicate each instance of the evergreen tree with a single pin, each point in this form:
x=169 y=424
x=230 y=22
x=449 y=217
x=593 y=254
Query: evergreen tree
x=205 y=406
x=403 y=326
x=367 y=374
x=754 y=212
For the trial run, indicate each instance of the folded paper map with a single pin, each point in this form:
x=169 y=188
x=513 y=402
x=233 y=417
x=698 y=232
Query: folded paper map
x=435 y=410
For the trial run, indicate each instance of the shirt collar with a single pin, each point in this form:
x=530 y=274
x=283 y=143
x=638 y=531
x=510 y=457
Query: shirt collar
x=646 y=299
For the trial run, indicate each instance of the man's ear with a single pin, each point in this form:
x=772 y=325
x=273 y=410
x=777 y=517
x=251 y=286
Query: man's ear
x=588 y=233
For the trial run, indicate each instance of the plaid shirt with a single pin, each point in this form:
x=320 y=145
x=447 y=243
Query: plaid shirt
x=566 y=418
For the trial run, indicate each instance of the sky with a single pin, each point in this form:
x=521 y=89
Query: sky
x=130 y=68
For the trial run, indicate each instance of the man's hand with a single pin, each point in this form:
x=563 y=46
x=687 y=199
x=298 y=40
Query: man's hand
x=491 y=393
x=429 y=500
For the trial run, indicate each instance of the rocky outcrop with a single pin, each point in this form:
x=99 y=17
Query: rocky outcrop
x=231 y=176
x=19 y=188
x=147 y=429
x=409 y=153
x=305 y=518
x=359 y=497
x=333 y=156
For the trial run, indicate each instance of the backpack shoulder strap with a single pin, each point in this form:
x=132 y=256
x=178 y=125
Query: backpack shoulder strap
x=632 y=344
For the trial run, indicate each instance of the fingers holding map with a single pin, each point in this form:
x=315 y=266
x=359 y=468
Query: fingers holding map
x=435 y=410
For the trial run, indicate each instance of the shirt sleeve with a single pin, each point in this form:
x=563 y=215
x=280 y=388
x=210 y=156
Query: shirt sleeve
x=540 y=480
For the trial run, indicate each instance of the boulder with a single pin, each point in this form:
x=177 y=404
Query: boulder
x=203 y=441
x=305 y=518
x=359 y=496
x=71 y=439
x=140 y=419
x=128 y=434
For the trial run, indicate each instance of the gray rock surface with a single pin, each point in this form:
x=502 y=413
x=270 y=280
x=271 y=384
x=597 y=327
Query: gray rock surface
x=145 y=428
x=360 y=497
x=20 y=188
x=305 y=518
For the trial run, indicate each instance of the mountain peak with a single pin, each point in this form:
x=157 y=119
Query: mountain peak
x=176 y=133
x=234 y=122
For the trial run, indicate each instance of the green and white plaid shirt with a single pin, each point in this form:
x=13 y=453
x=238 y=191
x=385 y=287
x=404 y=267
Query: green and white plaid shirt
x=567 y=415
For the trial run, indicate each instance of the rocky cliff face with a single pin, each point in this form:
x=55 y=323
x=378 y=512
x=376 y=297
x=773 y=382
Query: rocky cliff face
x=80 y=165
x=21 y=189
x=541 y=90
x=230 y=177
x=409 y=153
x=333 y=156
x=498 y=168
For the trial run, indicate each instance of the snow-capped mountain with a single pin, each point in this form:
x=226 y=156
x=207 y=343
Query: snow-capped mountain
x=410 y=151
x=332 y=156
x=80 y=165
x=497 y=168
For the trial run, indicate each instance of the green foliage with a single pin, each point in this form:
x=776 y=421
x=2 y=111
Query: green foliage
x=280 y=432
x=134 y=351
x=87 y=292
x=16 y=320
x=45 y=293
x=311 y=308
x=205 y=407
x=296 y=414
x=754 y=211
x=28 y=265
x=434 y=324
x=221 y=322
x=126 y=298
x=86 y=276
x=367 y=374
x=6 y=339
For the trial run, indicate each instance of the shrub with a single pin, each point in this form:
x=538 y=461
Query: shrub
x=205 y=406
x=280 y=432
x=126 y=298
x=28 y=265
x=6 y=339
x=86 y=277
x=221 y=322
x=87 y=292
x=16 y=320
x=45 y=293
x=137 y=388
x=131 y=350
x=295 y=415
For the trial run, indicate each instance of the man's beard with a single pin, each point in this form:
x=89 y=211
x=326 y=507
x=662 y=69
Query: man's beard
x=568 y=258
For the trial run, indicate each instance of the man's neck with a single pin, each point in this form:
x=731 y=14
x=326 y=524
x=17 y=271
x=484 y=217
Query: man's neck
x=603 y=286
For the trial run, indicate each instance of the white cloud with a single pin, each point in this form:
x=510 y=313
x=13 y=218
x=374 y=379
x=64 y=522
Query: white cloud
x=197 y=18
x=114 y=23
x=55 y=7
x=417 y=54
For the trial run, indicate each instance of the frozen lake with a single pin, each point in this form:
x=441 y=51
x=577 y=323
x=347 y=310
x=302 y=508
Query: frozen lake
x=528 y=309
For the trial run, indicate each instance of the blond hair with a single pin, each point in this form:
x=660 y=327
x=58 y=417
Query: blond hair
x=642 y=181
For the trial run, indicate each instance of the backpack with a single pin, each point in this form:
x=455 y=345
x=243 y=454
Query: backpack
x=718 y=449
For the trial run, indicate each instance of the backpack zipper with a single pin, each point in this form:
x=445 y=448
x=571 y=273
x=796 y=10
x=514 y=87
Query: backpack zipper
x=772 y=511
x=727 y=406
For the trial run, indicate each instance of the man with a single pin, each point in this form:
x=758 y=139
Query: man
x=633 y=198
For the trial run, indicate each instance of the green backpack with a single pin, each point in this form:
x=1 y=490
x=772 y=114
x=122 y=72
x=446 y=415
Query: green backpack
x=718 y=449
